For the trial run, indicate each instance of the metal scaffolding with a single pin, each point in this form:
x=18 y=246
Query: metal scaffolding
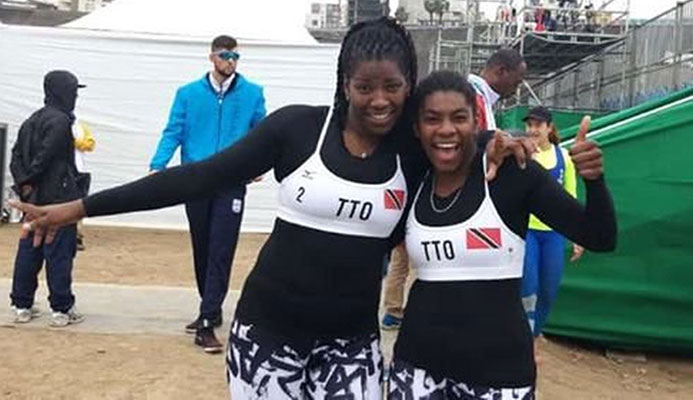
x=551 y=37
x=651 y=61
x=572 y=35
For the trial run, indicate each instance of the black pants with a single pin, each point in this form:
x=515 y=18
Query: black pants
x=59 y=255
x=214 y=227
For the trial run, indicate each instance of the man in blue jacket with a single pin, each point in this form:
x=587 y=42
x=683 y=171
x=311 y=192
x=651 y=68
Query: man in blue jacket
x=209 y=115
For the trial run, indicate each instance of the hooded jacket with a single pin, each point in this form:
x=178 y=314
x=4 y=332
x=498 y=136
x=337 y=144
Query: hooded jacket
x=43 y=164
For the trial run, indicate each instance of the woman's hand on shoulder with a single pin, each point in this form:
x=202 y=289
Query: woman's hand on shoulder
x=503 y=145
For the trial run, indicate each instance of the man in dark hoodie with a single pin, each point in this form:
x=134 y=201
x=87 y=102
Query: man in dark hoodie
x=44 y=172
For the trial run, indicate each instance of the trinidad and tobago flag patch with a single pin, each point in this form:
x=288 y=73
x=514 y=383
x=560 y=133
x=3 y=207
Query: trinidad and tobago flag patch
x=394 y=199
x=481 y=122
x=484 y=238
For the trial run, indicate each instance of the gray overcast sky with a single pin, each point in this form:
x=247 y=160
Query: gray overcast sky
x=639 y=8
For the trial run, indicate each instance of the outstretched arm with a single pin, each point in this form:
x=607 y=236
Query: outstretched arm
x=253 y=155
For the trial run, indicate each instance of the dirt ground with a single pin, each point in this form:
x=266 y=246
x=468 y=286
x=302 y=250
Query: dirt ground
x=137 y=256
x=48 y=364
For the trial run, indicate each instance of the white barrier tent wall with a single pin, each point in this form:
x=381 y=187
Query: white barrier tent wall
x=276 y=21
x=132 y=79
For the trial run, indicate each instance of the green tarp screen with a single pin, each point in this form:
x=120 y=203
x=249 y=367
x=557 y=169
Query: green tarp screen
x=640 y=296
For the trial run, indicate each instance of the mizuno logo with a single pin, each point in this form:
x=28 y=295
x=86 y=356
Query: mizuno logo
x=308 y=174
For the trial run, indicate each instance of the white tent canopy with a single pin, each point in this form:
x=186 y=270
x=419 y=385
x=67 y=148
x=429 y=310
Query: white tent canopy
x=132 y=78
x=277 y=21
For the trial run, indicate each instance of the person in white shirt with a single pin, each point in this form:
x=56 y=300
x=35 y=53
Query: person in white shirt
x=84 y=143
x=503 y=73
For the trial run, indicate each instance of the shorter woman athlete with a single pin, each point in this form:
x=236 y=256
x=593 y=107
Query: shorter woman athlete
x=465 y=334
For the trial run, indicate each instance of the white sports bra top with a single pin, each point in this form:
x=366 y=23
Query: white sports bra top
x=312 y=196
x=480 y=248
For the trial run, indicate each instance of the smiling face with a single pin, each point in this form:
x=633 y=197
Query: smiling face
x=377 y=91
x=447 y=130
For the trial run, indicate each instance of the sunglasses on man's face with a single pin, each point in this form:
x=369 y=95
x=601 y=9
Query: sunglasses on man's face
x=227 y=55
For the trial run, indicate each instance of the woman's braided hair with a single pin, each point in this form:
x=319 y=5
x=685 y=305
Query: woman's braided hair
x=380 y=39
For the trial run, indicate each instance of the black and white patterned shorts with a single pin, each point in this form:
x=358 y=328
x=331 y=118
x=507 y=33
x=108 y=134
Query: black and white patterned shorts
x=257 y=367
x=405 y=382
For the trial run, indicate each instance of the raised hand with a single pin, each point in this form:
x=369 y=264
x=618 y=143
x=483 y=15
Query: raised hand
x=578 y=251
x=586 y=154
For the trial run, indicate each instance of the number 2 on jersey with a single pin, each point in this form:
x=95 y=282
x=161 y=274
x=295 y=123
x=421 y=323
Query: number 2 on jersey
x=301 y=192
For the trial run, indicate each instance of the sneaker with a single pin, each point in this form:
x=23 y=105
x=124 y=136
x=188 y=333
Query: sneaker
x=390 y=322
x=71 y=317
x=205 y=338
x=24 y=315
x=197 y=324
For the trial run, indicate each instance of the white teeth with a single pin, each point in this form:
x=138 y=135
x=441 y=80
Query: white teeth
x=380 y=116
x=445 y=146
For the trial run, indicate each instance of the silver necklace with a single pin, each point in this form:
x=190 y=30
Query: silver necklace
x=433 y=203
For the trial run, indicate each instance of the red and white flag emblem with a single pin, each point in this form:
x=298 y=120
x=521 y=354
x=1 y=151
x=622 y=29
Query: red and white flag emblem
x=484 y=238
x=394 y=199
x=481 y=121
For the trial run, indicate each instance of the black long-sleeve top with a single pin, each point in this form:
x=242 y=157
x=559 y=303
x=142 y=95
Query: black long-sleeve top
x=306 y=282
x=475 y=331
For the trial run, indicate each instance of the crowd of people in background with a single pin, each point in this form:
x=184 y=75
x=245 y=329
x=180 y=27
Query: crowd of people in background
x=557 y=16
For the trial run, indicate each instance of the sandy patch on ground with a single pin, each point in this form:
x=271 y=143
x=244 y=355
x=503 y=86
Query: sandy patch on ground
x=38 y=363
x=136 y=256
